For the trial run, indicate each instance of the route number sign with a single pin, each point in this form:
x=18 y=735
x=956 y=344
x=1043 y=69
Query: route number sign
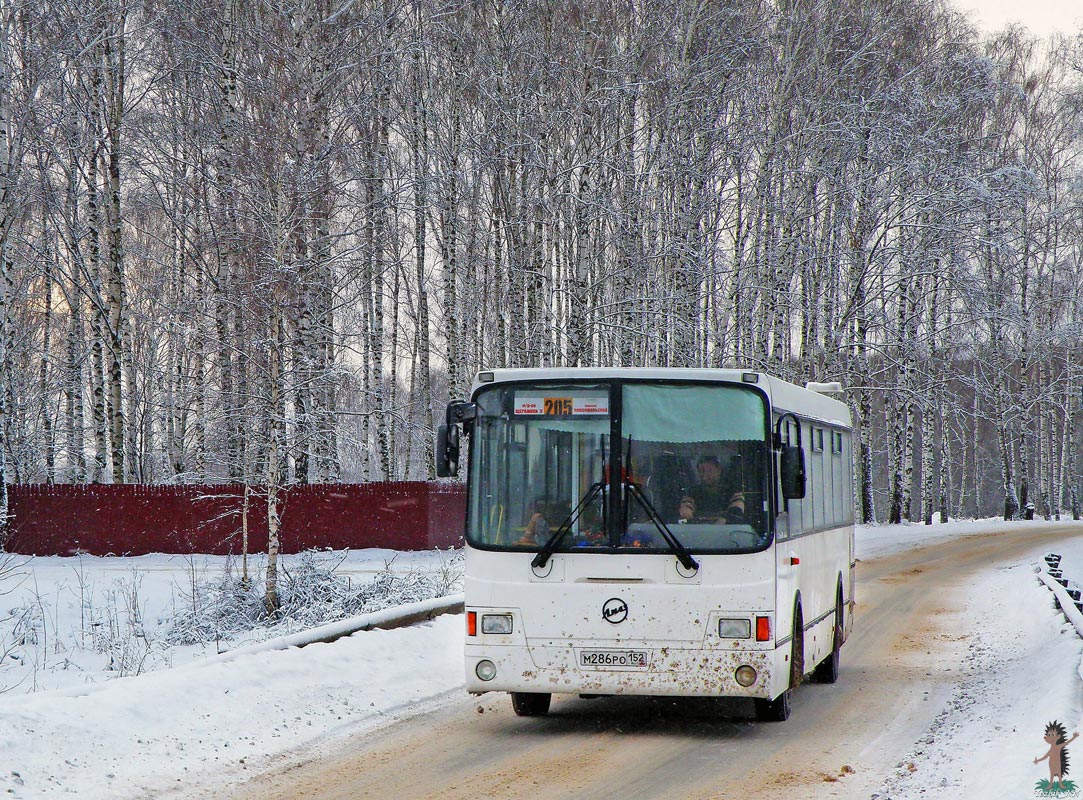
x=561 y=405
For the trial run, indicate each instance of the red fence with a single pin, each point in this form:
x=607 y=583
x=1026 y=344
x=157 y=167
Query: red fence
x=133 y=519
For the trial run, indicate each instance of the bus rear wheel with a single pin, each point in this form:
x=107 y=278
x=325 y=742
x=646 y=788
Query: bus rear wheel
x=827 y=671
x=530 y=704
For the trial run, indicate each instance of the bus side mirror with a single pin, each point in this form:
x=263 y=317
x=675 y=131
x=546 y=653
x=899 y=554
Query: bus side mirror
x=447 y=451
x=792 y=472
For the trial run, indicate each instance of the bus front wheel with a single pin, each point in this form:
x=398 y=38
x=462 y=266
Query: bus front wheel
x=530 y=704
x=778 y=710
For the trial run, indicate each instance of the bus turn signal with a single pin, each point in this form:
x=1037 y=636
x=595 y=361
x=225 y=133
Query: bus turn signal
x=763 y=629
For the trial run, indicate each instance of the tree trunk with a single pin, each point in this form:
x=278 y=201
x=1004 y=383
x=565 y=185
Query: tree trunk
x=114 y=61
x=864 y=458
x=45 y=369
x=228 y=241
x=897 y=459
x=928 y=498
x=973 y=472
x=273 y=474
x=945 y=458
x=422 y=383
x=1007 y=472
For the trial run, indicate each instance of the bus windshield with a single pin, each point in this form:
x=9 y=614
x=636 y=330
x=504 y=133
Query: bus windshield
x=693 y=467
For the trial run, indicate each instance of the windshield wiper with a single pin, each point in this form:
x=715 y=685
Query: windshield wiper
x=562 y=530
x=674 y=543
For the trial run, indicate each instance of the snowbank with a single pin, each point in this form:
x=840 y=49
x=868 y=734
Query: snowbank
x=186 y=728
x=874 y=541
x=1021 y=671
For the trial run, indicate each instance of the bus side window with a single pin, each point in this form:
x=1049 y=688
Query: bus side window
x=789 y=510
x=833 y=473
x=820 y=481
x=847 y=484
x=798 y=509
x=804 y=506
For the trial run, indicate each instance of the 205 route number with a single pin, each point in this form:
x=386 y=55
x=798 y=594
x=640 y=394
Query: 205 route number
x=614 y=659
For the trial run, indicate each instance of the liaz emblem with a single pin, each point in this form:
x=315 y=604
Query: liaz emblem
x=615 y=610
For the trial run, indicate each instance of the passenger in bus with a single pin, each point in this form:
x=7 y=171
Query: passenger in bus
x=537 y=529
x=591 y=530
x=715 y=499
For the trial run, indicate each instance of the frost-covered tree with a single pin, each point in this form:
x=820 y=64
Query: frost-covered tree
x=371 y=201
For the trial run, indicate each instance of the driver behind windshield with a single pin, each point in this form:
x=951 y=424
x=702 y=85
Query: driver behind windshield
x=717 y=498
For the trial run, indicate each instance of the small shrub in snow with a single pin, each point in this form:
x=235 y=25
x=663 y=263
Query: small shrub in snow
x=109 y=625
x=83 y=625
x=28 y=624
x=311 y=593
x=216 y=610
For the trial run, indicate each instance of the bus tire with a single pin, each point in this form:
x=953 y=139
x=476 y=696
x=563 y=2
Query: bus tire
x=827 y=671
x=530 y=704
x=778 y=710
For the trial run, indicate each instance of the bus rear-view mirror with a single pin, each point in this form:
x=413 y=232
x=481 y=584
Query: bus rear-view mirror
x=792 y=472
x=447 y=451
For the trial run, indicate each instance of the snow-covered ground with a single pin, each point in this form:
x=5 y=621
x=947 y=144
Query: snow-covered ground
x=207 y=722
x=1021 y=671
x=883 y=540
x=70 y=621
x=96 y=703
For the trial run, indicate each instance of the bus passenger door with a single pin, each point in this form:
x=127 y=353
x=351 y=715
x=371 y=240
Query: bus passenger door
x=787 y=526
x=786 y=573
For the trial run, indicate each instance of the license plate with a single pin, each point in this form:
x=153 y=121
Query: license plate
x=614 y=659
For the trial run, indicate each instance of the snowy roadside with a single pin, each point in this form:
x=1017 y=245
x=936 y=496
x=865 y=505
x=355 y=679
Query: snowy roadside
x=189 y=728
x=875 y=541
x=92 y=731
x=1022 y=668
x=183 y=731
x=66 y=622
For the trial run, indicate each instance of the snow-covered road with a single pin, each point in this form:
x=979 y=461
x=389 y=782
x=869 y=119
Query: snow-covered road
x=957 y=662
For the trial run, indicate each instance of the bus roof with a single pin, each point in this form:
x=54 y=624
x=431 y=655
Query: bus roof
x=784 y=396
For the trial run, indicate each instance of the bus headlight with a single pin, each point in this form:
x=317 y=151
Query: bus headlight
x=496 y=623
x=486 y=670
x=734 y=628
x=745 y=675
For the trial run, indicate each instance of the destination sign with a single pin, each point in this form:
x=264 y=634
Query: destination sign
x=561 y=405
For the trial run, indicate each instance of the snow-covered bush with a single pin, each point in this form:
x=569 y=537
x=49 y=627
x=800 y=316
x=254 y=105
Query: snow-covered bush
x=311 y=592
x=68 y=621
x=108 y=623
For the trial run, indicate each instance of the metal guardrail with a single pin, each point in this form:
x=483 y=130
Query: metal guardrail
x=388 y=618
x=1050 y=574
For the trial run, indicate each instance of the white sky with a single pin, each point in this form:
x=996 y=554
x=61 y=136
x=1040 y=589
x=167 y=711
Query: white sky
x=1042 y=17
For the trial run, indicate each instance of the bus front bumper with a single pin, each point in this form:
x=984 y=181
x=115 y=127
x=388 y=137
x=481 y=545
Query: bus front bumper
x=669 y=671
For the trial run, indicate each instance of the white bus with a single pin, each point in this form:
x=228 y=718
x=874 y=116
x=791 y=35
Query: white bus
x=683 y=532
